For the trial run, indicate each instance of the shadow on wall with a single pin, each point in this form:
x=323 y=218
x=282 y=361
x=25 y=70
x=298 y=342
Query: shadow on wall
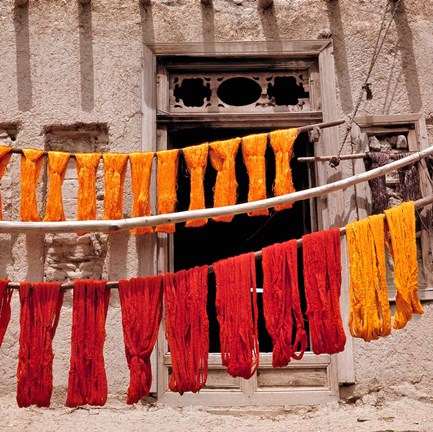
x=86 y=56
x=22 y=36
x=269 y=23
x=208 y=21
x=405 y=43
x=340 y=56
x=147 y=28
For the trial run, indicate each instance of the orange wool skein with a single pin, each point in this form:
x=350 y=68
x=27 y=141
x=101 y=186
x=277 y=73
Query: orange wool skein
x=141 y=169
x=370 y=314
x=5 y=155
x=223 y=157
x=57 y=164
x=196 y=162
x=253 y=151
x=114 y=176
x=87 y=166
x=166 y=186
x=402 y=246
x=31 y=165
x=282 y=142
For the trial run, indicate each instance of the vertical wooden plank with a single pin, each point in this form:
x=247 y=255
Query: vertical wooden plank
x=331 y=207
x=426 y=213
x=147 y=243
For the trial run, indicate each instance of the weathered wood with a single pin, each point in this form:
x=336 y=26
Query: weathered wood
x=124 y=224
x=264 y=4
x=296 y=48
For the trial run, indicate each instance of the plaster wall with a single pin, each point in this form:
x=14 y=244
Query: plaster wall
x=63 y=64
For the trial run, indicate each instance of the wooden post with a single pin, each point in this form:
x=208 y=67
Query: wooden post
x=264 y=4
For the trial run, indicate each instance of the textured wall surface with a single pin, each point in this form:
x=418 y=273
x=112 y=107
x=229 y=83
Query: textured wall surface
x=63 y=64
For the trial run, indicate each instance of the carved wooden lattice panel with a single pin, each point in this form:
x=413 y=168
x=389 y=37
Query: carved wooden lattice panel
x=259 y=92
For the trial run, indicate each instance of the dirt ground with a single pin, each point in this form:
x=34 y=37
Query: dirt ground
x=375 y=412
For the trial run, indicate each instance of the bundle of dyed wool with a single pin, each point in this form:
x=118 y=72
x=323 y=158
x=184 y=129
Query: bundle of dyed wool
x=114 y=177
x=282 y=304
x=223 y=158
x=370 y=314
x=87 y=382
x=196 y=163
x=57 y=164
x=141 y=305
x=167 y=166
x=253 y=151
x=5 y=307
x=402 y=246
x=236 y=307
x=187 y=328
x=5 y=155
x=322 y=281
x=282 y=143
x=141 y=168
x=39 y=316
x=31 y=165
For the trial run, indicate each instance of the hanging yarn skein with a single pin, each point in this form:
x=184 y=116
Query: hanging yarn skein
x=39 y=315
x=5 y=307
x=5 y=155
x=223 y=157
x=282 y=303
x=87 y=166
x=237 y=314
x=57 y=164
x=141 y=306
x=114 y=177
x=282 y=143
x=196 y=163
x=31 y=165
x=87 y=383
x=141 y=169
x=370 y=314
x=167 y=166
x=253 y=151
x=322 y=282
x=402 y=246
x=187 y=328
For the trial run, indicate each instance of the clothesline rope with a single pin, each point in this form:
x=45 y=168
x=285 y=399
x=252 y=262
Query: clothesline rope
x=114 y=284
x=144 y=221
x=306 y=128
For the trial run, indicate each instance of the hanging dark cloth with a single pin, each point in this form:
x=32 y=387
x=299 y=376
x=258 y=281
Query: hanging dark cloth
x=322 y=282
x=141 y=305
x=87 y=377
x=187 y=328
x=5 y=307
x=39 y=316
x=409 y=185
x=281 y=302
x=379 y=193
x=236 y=307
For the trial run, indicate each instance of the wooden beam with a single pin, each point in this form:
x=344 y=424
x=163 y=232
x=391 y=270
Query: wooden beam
x=264 y=4
x=137 y=222
x=115 y=284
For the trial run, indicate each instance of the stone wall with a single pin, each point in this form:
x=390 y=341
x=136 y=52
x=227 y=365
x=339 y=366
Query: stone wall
x=64 y=65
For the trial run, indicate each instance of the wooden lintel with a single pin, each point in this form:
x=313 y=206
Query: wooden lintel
x=264 y=4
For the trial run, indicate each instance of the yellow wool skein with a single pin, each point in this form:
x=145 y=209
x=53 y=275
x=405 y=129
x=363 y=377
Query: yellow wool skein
x=370 y=315
x=223 y=157
x=253 y=152
x=402 y=246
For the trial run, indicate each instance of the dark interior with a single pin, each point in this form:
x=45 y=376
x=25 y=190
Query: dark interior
x=218 y=240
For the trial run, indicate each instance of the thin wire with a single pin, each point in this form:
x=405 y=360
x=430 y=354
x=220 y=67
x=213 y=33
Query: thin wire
x=377 y=49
